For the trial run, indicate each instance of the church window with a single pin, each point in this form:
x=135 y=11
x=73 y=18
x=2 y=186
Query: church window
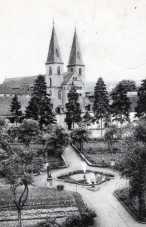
x=57 y=53
x=80 y=71
x=59 y=94
x=75 y=78
x=71 y=69
x=50 y=71
x=78 y=55
x=50 y=92
x=50 y=82
x=58 y=70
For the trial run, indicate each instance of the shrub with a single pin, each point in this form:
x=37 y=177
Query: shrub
x=85 y=220
x=60 y=187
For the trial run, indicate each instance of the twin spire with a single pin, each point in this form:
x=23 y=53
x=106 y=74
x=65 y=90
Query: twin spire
x=54 y=55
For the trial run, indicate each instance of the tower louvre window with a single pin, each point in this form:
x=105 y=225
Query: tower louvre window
x=57 y=53
x=50 y=71
x=71 y=69
x=58 y=70
x=80 y=71
x=59 y=94
x=78 y=55
x=50 y=82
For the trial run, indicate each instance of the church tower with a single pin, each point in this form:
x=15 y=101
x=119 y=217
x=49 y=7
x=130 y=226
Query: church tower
x=75 y=63
x=54 y=64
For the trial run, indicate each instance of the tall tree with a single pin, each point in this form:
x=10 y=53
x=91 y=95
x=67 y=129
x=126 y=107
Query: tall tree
x=132 y=166
x=40 y=107
x=141 y=103
x=101 y=101
x=73 y=111
x=120 y=107
x=127 y=85
x=16 y=109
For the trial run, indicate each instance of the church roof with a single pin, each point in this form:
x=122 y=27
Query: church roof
x=67 y=76
x=17 y=82
x=54 y=55
x=75 y=54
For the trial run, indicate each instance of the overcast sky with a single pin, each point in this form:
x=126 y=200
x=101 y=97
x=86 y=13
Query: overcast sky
x=111 y=33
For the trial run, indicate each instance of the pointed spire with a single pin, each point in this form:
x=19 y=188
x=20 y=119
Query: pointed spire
x=75 y=54
x=54 y=55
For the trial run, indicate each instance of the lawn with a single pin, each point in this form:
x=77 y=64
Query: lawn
x=41 y=203
x=97 y=153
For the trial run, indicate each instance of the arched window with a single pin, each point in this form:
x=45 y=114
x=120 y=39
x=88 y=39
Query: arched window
x=59 y=94
x=80 y=71
x=50 y=71
x=58 y=70
x=71 y=69
x=50 y=82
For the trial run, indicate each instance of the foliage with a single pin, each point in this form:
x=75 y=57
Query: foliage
x=127 y=86
x=25 y=132
x=18 y=175
x=80 y=135
x=56 y=141
x=50 y=222
x=111 y=135
x=132 y=166
x=141 y=103
x=120 y=107
x=73 y=111
x=85 y=220
x=60 y=187
x=40 y=107
x=101 y=101
x=87 y=118
x=15 y=109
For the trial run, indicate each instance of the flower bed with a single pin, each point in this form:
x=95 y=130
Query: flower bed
x=123 y=197
x=97 y=153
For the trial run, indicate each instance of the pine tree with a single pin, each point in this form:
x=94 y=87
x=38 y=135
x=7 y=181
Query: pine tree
x=141 y=107
x=120 y=107
x=73 y=113
x=40 y=108
x=101 y=101
x=15 y=109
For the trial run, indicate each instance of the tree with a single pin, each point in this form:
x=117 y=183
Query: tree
x=141 y=103
x=132 y=166
x=87 y=118
x=120 y=107
x=15 y=109
x=73 y=111
x=56 y=141
x=40 y=107
x=110 y=136
x=101 y=101
x=19 y=179
x=25 y=132
x=127 y=85
x=79 y=136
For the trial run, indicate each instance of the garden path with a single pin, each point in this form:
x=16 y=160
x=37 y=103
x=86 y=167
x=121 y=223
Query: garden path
x=110 y=212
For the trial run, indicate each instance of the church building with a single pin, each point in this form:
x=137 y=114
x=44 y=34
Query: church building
x=58 y=81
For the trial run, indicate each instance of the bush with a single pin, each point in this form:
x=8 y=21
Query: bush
x=85 y=220
x=51 y=222
x=60 y=187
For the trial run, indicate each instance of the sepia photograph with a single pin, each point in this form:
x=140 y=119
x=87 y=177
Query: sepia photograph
x=72 y=113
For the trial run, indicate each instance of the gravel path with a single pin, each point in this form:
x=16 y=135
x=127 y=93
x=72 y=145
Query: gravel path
x=110 y=213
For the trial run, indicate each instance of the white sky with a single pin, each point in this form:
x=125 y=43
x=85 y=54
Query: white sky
x=112 y=36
